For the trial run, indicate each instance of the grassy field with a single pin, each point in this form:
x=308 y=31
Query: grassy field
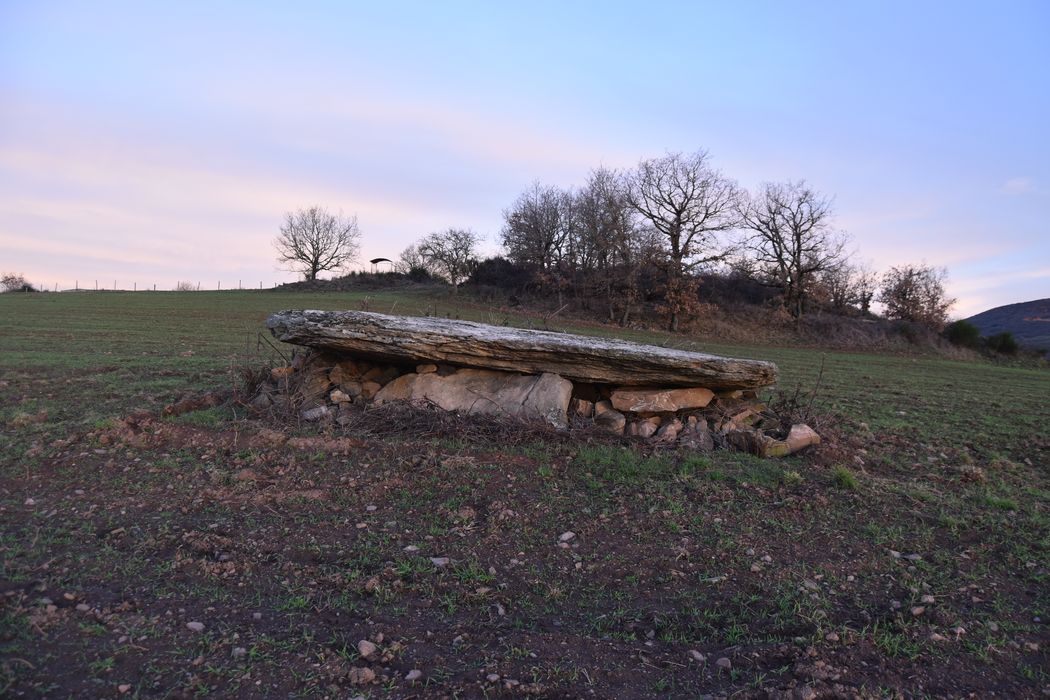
x=908 y=556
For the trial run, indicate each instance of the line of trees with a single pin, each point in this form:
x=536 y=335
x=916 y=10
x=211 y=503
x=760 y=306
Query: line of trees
x=649 y=234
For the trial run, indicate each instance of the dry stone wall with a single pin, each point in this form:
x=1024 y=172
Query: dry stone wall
x=328 y=387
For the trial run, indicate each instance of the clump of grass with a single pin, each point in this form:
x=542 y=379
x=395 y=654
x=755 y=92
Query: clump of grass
x=844 y=479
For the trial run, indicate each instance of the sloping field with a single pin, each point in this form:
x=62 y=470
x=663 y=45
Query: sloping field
x=213 y=554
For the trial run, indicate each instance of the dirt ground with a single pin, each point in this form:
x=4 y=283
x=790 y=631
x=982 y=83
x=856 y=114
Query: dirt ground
x=173 y=557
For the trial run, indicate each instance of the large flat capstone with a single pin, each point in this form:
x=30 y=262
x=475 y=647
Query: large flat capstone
x=411 y=339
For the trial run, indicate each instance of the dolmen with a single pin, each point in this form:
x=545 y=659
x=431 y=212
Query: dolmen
x=666 y=395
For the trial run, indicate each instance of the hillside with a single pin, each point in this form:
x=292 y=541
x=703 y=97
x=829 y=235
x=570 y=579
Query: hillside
x=1029 y=321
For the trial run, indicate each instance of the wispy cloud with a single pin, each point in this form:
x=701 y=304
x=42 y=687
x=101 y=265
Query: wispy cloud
x=1019 y=186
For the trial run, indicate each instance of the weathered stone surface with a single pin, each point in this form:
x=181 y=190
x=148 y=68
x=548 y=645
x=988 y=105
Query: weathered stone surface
x=345 y=371
x=669 y=431
x=339 y=396
x=644 y=428
x=801 y=436
x=582 y=408
x=412 y=340
x=611 y=420
x=653 y=400
x=486 y=391
x=398 y=390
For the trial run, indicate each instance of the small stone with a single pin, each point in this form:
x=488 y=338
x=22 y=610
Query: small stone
x=566 y=536
x=831 y=637
x=610 y=420
x=927 y=600
x=339 y=396
x=895 y=554
x=83 y=607
x=411 y=549
x=239 y=652
x=195 y=626
x=257 y=616
x=30 y=502
x=724 y=664
x=895 y=604
x=697 y=656
x=429 y=368
x=439 y=561
x=415 y=674
x=1031 y=646
x=993 y=626
x=644 y=428
x=935 y=637
x=755 y=568
x=315 y=414
x=492 y=678
x=366 y=649
x=582 y=408
x=669 y=431
x=124 y=687
x=918 y=610
x=371 y=509
x=767 y=559
x=361 y=676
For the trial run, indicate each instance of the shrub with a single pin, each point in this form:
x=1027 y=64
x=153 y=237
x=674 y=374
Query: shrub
x=963 y=334
x=1003 y=343
x=185 y=287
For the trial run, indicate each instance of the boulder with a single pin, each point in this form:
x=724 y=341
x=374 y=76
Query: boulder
x=488 y=392
x=411 y=340
x=653 y=400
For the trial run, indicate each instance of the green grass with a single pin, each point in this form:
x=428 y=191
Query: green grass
x=670 y=546
x=138 y=346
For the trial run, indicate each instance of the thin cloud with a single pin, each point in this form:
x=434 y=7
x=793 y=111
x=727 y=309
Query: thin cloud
x=1019 y=186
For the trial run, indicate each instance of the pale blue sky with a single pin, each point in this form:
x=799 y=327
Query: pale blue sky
x=149 y=143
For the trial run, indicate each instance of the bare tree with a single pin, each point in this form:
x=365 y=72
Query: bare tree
x=534 y=229
x=689 y=203
x=411 y=261
x=313 y=241
x=15 y=282
x=790 y=238
x=453 y=253
x=916 y=293
x=610 y=250
x=848 y=286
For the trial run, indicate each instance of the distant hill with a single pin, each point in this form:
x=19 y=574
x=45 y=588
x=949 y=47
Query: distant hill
x=1029 y=321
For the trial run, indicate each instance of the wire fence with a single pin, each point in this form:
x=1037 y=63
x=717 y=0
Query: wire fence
x=117 y=286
